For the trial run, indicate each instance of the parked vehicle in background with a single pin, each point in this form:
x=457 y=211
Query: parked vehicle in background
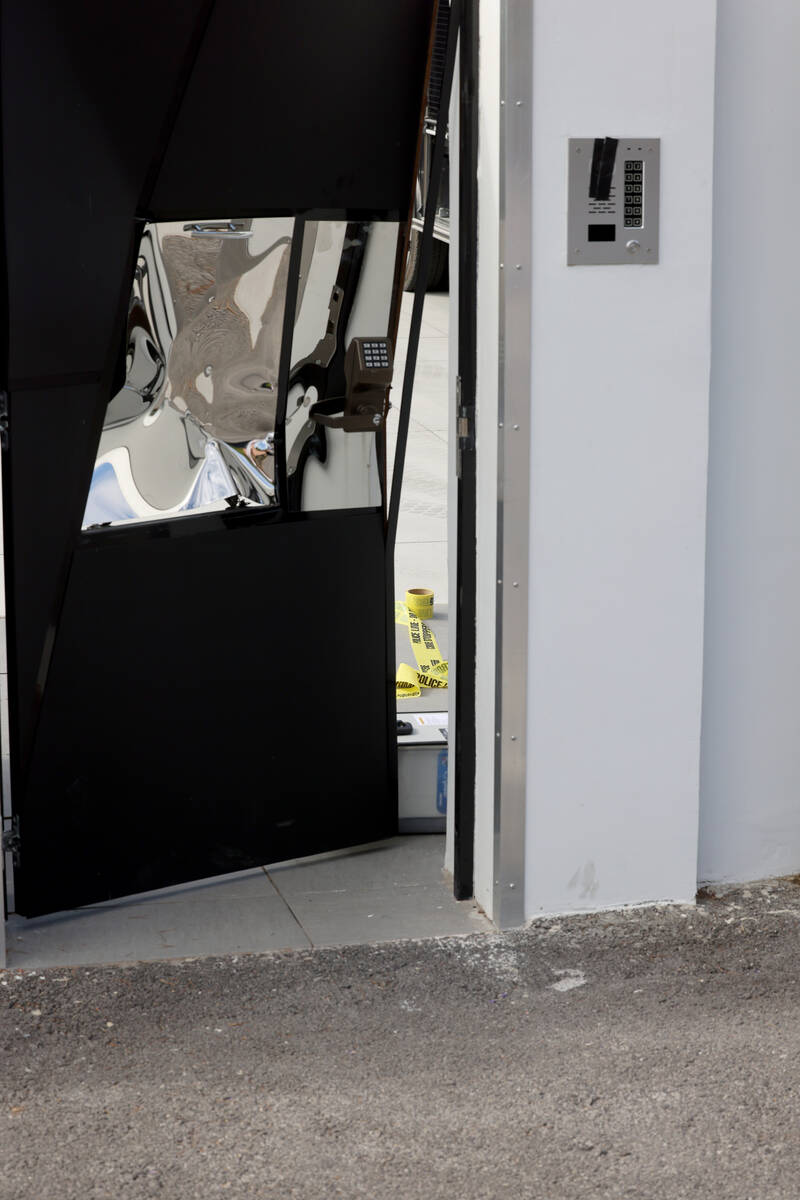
x=438 y=277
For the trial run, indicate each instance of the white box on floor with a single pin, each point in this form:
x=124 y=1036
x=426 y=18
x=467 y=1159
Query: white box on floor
x=422 y=774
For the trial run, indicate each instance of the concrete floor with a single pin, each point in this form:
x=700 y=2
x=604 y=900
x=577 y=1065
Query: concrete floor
x=393 y=889
x=648 y=1055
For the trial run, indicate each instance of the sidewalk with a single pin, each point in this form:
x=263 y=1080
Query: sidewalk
x=650 y=1054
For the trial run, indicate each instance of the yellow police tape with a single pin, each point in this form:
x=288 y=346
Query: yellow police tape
x=431 y=670
x=420 y=601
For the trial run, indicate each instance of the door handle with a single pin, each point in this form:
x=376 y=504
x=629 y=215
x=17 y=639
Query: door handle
x=368 y=368
x=219 y=229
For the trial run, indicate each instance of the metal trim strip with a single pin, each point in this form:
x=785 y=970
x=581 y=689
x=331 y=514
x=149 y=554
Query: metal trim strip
x=513 y=466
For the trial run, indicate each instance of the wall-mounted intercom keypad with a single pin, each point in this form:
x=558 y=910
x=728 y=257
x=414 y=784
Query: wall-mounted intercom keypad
x=613 y=201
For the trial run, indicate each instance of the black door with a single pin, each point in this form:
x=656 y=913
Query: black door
x=204 y=218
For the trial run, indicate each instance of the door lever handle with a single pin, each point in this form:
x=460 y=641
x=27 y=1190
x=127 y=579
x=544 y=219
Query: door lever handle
x=219 y=229
x=341 y=413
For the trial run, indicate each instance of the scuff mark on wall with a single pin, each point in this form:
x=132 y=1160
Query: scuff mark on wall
x=586 y=879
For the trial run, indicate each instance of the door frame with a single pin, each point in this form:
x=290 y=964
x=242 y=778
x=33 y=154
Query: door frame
x=466 y=309
x=513 y=461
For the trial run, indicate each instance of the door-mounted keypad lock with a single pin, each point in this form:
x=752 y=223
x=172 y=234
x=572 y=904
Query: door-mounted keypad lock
x=368 y=369
x=613 y=201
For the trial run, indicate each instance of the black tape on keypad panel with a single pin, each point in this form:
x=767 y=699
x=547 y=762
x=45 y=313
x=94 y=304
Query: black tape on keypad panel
x=605 y=174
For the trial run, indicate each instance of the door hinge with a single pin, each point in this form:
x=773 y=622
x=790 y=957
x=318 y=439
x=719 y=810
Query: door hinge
x=465 y=427
x=11 y=840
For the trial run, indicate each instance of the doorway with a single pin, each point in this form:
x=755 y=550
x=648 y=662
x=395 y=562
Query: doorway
x=390 y=859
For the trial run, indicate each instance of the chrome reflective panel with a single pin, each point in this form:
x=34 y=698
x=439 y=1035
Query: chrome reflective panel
x=193 y=426
x=346 y=287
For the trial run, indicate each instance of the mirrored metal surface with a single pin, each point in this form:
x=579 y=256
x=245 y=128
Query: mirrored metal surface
x=334 y=418
x=193 y=427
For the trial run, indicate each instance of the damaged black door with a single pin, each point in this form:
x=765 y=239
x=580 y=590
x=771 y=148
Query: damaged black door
x=204 y=221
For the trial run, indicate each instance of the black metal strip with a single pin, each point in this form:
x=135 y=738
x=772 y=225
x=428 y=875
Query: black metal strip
x=426 y=248
x=466 y=580
x=285 y=366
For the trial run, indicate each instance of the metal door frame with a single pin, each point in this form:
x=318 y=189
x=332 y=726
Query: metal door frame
x=466 y=486
x=513 y=463
x=464 y=16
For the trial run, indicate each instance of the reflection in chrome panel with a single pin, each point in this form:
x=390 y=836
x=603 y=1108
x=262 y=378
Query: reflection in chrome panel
x=193 y=426
x=347 y=284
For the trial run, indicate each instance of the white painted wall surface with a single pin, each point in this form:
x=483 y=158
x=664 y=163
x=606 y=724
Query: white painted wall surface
x=750 y=793
x=618 y=469
x=486 y=442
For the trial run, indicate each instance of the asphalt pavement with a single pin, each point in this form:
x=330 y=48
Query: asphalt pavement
x=651 y=1053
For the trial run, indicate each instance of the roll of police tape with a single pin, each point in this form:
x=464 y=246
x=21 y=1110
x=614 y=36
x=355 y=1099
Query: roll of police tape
x=420 y=601
x=431 y=670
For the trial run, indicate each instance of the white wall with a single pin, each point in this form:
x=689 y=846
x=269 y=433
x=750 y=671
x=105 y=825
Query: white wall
x=750 y=797
x=618 y=469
